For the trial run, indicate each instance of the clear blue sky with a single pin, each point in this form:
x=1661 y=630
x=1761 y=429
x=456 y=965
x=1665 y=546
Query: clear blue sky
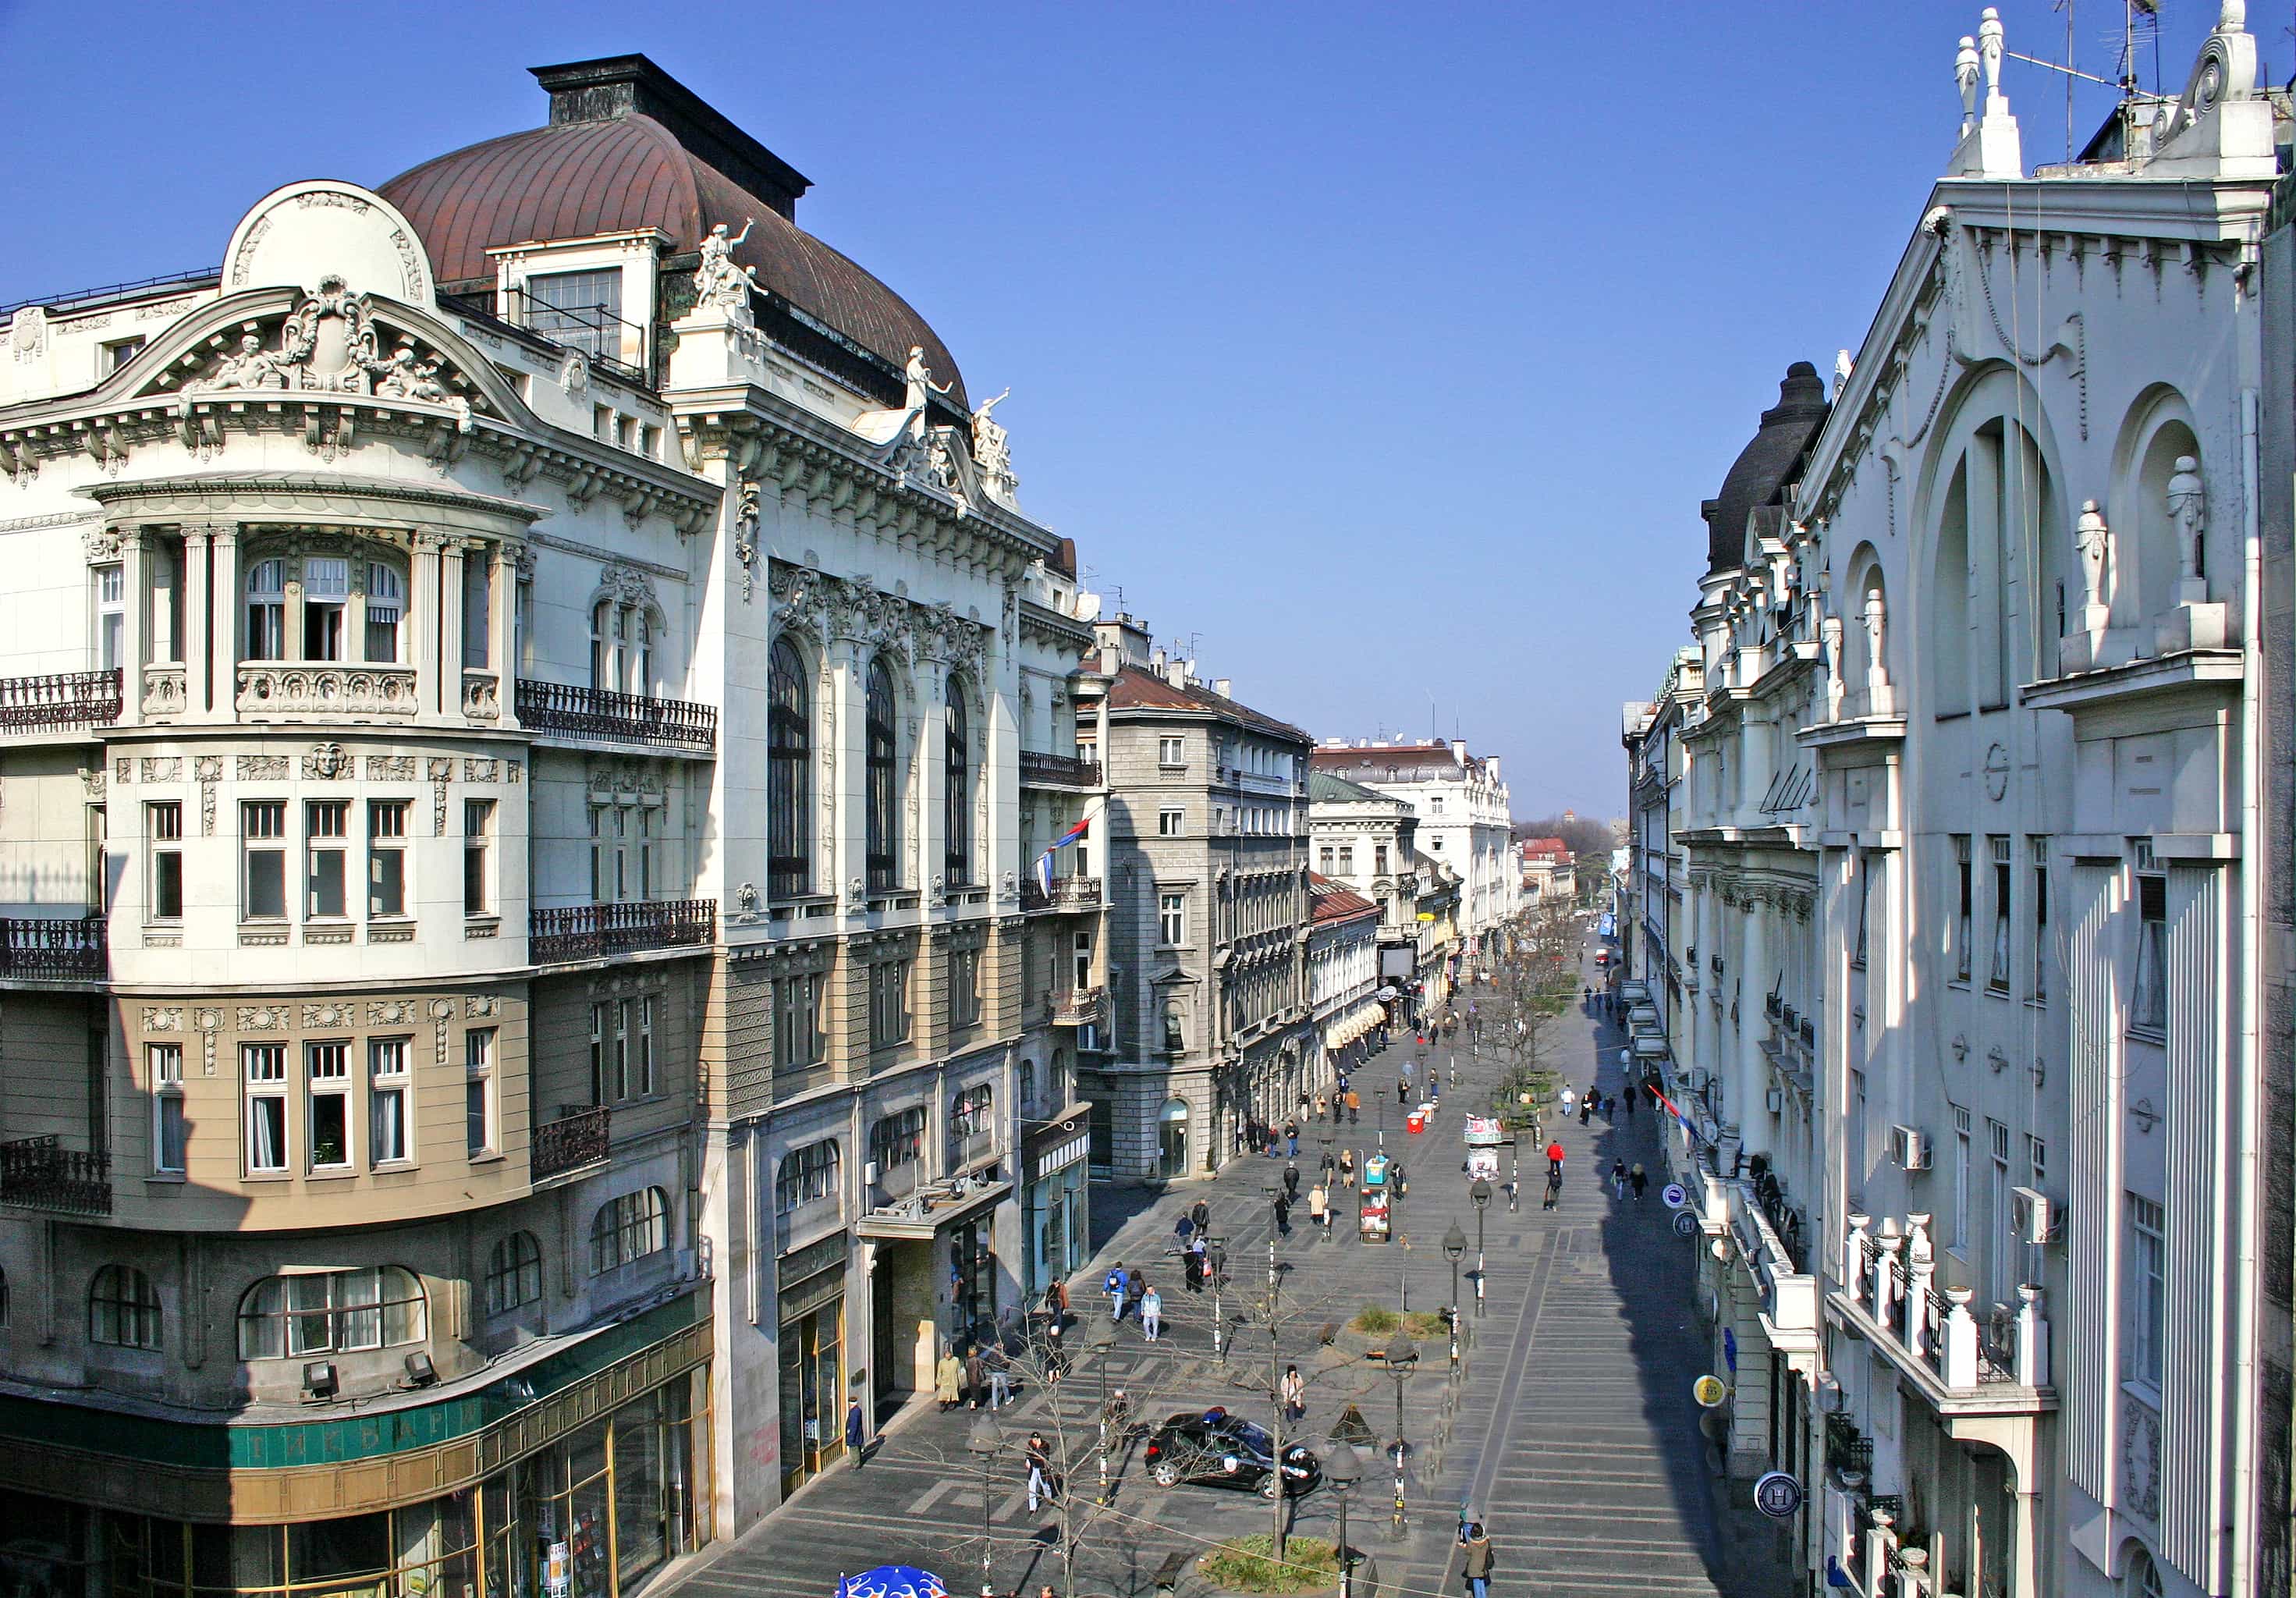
x=1389 y=348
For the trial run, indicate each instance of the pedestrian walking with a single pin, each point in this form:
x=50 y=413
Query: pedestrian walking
x=1056 y=1356
x=1151 y=1314
x=976 y=1378
x=856 y=1431
x=1319 y=1202
x=1042 y=1483
x=1117 y=1284
x=1637 y=1179
x=1283 y=1215
x=947 y=1377
x=1328 y=1166
x=1292 y=1182
x=1403 y=1093
x=1586 y=1106
x=1570 y=1104
x=1617 y=1178
x=1629 y=1096
x=1291 y=1136
x=1323 y=1106
x=1135 y=1289
x=1183 y=1230
x=1000 y=1378
x=1191 y=1261
x=1294 y=1393
x=1554 y=1158
x=1348 y=1169
x=1554 y=1187
x=1355 y=1108
x=1200 y=1213
x=1056 y=1301
x=1476 y=1564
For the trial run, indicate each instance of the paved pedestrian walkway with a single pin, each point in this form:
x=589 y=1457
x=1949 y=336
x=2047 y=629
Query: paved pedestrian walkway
x=1569 y=1431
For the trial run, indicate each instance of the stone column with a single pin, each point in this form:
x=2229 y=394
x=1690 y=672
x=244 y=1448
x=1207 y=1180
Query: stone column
x=223 y=621
x=502 y=640
x=424 y=604
x=195 y=625
x=448 y=702
x=1751 y=1110
x=134 y=573
x=931 y=684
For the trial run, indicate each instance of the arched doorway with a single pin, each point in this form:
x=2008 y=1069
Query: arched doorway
x=1172 y=1140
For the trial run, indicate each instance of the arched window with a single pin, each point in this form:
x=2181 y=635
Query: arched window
x=331 y=1312
x=2144 y=1577
x=789 y=773
x=971 y=1111
x=957 y=764
x=1027 y=1085
x=1949 y=641
x=629 y=1228
x=123 y=1310
x=513 y=1272
x=898 y=1138
x=642 y=676
x=806 y=1176
x=604 y=667
x=880 y=847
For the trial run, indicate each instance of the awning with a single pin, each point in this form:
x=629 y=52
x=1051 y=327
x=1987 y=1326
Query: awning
x=904 y=1220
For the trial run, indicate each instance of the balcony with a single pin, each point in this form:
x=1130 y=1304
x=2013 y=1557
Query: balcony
x=1963 y=1367
x=595 y=932
x=601 y=713
x=65 y=698
x=1041 y=770
x=581 y=1135
x=39 y=1173
x=1068 y=893
x=300 y=688
x=53 y=949
x=1766 y=1233
x=1078 y=1007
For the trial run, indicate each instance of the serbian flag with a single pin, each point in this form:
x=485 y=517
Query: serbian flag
x=1044 y=861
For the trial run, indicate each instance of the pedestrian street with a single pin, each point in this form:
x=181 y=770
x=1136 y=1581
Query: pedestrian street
x=1569 y=1431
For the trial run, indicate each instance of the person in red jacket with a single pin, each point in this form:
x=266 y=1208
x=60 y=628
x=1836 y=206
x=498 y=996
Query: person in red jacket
x=1554 y=1157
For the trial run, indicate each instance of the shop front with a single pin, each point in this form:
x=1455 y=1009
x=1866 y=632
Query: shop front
x=1055 y=1200
x=810 y=1285
x=612 y=1487
x=933 y=1277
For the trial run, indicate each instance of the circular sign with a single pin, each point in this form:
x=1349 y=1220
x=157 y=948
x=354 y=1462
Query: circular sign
x=1675 y=1195
x=1685 y=1225
x=1709 y=1391
x=1778 y=1496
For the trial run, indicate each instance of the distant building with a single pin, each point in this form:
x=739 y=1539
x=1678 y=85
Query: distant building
x=1343 y=978
x=1461 y=804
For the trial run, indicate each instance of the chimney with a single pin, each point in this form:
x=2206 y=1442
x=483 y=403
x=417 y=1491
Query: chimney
x=1175 y=672
x=1224 y=686
x=1459 y=751
x=1156 y=663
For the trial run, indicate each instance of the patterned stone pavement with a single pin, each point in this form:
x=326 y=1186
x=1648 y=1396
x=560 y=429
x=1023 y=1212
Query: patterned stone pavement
x=1570 y=1430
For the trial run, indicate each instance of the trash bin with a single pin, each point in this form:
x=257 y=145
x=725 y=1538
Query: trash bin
x=1416 y=1121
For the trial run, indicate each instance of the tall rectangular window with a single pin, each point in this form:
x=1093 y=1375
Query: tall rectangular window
x=1996 y=972
x=797 y=1020
x=1172 y=751
x=1961 y=1153
x=326 y=592
x=164 y=1067
x=326 y=842
x=1965 y=909
x=479 y=1104
x=1347 y=859
x=267 y=611
x=601 y=1028
x=164 y=825
x=889 y=1002
x=1326 y=859
x=1379 y=859
x=620 y=1050
x=110 y=618
x=386 y=609
x=1864 y=898
x=478 y=838
x=2005 y=1255
x=2148 y=1004
x=388 y=1086
x=263 y=843
x=386 y=858
x=263 y=1077
x=963 y=986
x=2148 y=1290
x=2038 y=849
x=477 y=609
x=642 y=1041
x=1172 y=918
x=328 y=1068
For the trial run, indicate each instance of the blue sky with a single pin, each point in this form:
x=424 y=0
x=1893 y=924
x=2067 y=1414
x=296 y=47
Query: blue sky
x=1389 y=348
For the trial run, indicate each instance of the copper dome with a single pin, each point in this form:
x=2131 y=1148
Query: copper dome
x=630 y=147
x=1771 y=458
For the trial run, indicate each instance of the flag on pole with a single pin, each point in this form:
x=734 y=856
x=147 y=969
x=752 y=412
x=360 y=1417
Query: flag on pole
x=1075 y=834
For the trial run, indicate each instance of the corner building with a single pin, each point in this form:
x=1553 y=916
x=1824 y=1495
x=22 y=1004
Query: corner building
x=510 y=731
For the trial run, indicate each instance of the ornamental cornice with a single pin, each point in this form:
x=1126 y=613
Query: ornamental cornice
x=830 y=609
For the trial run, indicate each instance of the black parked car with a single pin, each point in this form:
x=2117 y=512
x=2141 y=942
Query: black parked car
x=1217 y=1449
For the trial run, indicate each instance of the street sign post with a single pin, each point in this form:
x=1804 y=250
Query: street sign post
x=1685 y=1225
x=1675 y=1195
x=1778 y=1496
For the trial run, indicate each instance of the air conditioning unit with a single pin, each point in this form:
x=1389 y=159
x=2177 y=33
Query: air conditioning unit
x=2035 y=1219
x=1910 y=1148
x=1693 y=1078
x=1775 y=1099
x=870 y=1173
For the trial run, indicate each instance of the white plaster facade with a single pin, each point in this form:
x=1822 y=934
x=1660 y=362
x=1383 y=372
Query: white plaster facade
x=1460 y=803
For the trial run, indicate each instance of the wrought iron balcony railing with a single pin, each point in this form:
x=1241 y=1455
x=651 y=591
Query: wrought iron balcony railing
x=593 y=931
x=41 y=1173
x=52 y=947
x=62 y=698
x=578 y=1137
x=1058 y=771
x=1078 y=1007
x=601 y=713
x=1068 y=893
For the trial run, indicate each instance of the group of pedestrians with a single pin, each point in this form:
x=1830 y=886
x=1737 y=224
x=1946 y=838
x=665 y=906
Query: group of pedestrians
x=981 y=1376
x=1127 y=1289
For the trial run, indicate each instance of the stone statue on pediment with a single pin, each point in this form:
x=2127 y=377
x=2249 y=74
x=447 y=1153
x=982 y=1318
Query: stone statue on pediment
x=721 y=283
x=2188 y=510
x=920 y=386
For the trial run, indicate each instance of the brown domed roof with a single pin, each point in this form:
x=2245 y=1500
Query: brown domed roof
x=1770 y=459
x=628 y=147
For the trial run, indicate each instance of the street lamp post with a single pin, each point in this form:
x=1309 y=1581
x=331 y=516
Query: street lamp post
x=1455 y=1244
x=1344 y=1472
x=984 y=1441
x=1402 y=1359
x=1216 y=1258
x=1099 y=1340
x=1480 y=1192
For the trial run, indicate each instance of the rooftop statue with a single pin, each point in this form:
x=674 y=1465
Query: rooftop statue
x=719 y=283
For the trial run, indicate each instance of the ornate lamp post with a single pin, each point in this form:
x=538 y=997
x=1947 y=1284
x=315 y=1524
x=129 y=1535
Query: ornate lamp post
x=1454 y=1245
x=1402 y=1359
x=984 y=1441
x=1343 y=1473
x=1099 y=1340
x=1216 y=1259
x=1480 y=1192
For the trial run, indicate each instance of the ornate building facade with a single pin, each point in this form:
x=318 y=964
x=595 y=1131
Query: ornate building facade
x=1980 y=792
x=1460 y=803
x=515 y=741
